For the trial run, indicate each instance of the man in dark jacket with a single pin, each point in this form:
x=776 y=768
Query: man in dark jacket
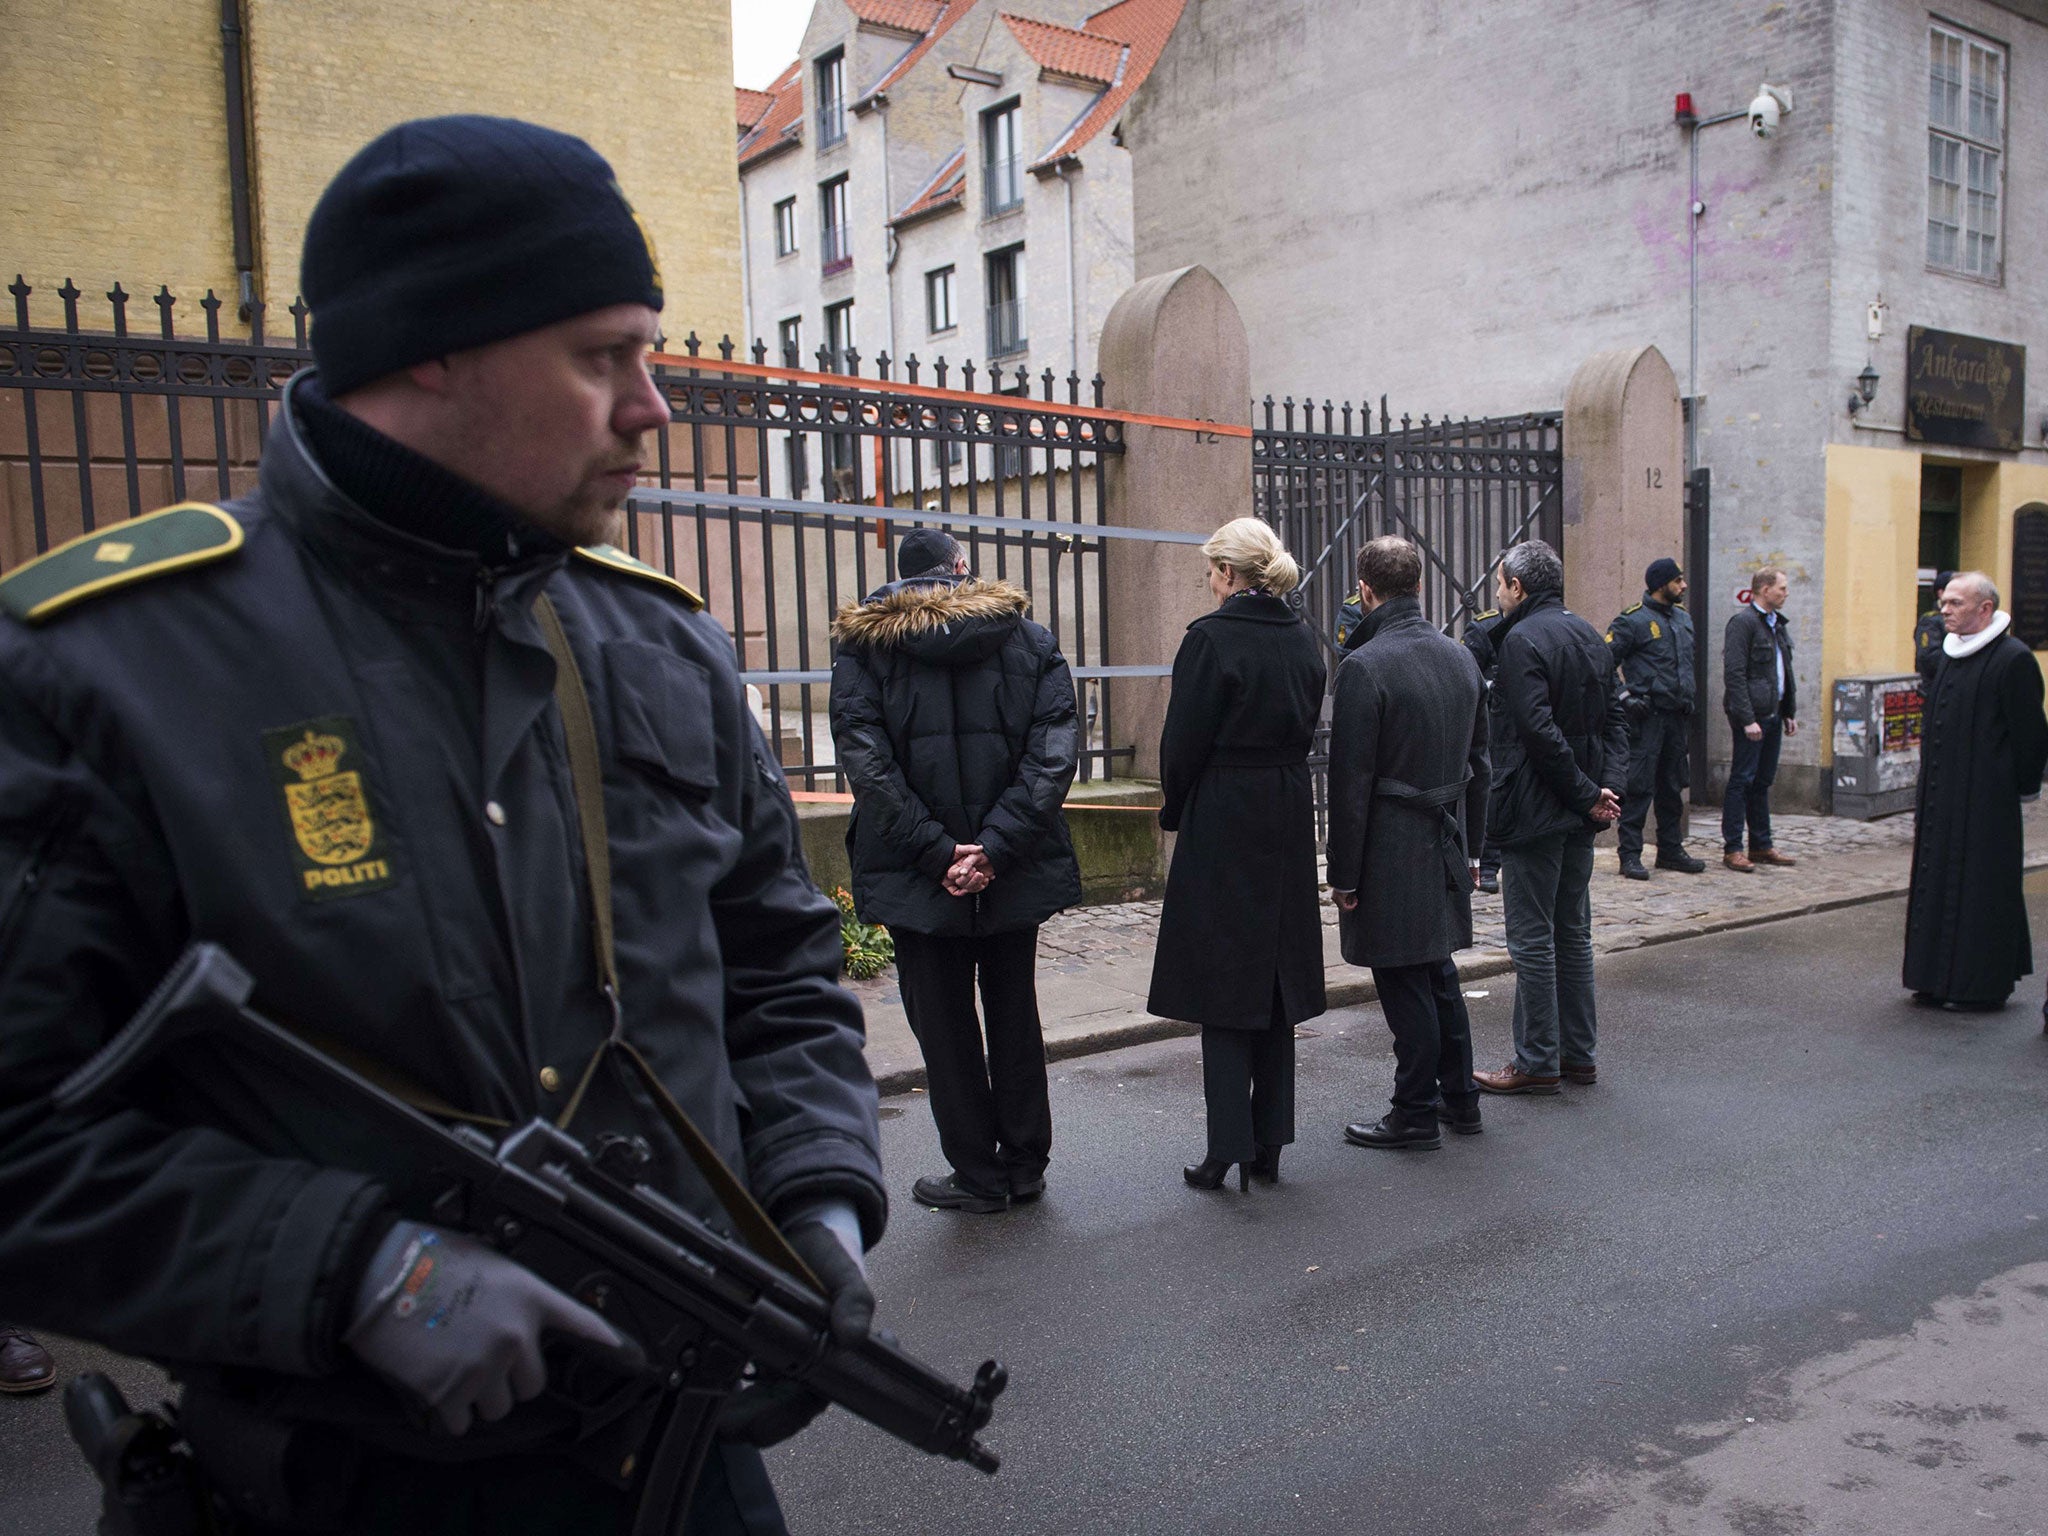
x=1560 y=757
x=1652 y=645
x=319 y=726
x=1929 y=634
x=1478 y=639
x=953 y=716
x=1408 y=787
x=1761 y=699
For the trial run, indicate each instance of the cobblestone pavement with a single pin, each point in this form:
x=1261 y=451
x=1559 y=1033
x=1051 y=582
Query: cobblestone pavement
x=1076 y=939
x=1095 y=963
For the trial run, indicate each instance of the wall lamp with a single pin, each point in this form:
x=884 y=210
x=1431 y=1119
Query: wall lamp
x=1865 y=391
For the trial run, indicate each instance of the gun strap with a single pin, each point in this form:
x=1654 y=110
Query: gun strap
x=586 y=777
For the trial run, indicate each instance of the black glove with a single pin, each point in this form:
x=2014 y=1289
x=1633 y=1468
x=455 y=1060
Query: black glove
x=459 y=1326
x=1636 y=709
x=827 y=1239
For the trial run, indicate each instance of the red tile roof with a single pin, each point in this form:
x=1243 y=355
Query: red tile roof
x=1065 y=51
x=783 y=122
x=1144 y=25
x=947 y=189
x=751 y=105
x=945 y=13
x=898 y=15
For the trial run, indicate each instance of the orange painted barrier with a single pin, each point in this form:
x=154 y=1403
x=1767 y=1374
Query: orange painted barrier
x=826 y=797
x=712 y=365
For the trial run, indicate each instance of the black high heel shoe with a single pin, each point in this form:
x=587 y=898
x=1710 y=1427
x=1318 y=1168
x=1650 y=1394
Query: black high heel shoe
x=1210 y=1174
x=1266 y=1163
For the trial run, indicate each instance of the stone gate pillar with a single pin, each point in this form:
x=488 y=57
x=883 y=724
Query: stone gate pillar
x=1173 y=346
x=1624 y=503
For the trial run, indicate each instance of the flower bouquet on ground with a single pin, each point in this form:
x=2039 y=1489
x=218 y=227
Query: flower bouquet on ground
x=868 y=948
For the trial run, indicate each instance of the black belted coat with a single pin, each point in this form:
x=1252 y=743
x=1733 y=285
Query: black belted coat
x=1242 y=915
x=1408 y=788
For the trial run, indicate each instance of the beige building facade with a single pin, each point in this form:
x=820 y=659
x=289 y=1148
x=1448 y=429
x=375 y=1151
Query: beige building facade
x=119 y=163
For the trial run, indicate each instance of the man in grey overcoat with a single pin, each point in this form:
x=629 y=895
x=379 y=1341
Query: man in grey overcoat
x=1408 y=786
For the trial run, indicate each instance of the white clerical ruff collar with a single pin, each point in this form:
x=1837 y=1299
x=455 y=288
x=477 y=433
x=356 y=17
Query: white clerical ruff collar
x=1959 y=646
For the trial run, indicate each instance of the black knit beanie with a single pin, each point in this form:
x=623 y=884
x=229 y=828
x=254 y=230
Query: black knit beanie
x=1661 y=574
x=452 y=232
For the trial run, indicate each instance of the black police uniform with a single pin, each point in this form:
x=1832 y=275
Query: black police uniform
x=329 y=743
x=1349 y=616
x=1652 y=644
x=1928 y=635
x=1478 y=638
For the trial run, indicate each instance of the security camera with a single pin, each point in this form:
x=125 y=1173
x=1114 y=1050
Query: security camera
x=1772 y=102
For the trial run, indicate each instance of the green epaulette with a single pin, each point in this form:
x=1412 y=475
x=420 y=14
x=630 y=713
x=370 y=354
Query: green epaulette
x=191 y=533
x=1633 y=608
x=1481 y=618
x=618 y=560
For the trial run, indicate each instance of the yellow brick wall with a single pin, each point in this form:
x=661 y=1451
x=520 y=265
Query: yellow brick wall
x=113 y=155
x=647 y=82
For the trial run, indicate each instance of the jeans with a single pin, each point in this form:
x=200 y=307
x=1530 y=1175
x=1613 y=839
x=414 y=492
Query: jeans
x=992 y=1110
x=1751 y=769
x=1544 y=896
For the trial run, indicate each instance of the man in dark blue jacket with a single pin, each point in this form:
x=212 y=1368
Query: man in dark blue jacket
x=953 y=716
x=319 y=726
x=1560 y=758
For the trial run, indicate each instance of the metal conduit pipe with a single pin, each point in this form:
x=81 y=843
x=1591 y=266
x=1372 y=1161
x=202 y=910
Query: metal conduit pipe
x=238 y=154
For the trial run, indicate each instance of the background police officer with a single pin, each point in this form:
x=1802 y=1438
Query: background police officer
x=1928 y=635
x=1652 y=645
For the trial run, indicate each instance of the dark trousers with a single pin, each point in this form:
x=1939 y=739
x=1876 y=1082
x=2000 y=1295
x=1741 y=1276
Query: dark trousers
x=992 y=1110
x=1425 y=1009
x=542 y=1496
x=1659 y=762
x=1248 y=1086
x=1751 y=769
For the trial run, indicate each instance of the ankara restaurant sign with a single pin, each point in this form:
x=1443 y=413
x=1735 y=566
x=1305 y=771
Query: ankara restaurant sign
x=1965 y=390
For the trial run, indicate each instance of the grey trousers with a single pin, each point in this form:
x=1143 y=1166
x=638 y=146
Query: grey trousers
x=1549 y=913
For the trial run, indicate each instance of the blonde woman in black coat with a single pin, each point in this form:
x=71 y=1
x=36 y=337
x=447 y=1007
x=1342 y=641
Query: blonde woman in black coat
x=1241 y=935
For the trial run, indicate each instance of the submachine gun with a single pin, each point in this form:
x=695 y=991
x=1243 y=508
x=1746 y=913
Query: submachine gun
x=702 y=1306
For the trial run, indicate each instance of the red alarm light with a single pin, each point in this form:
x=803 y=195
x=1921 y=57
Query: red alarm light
x=1682 y=110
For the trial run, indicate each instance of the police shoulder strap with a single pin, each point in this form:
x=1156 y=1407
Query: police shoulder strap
x=586 y=778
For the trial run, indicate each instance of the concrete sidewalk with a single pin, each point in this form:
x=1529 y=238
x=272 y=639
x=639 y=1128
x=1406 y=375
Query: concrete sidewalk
x=1095 y=963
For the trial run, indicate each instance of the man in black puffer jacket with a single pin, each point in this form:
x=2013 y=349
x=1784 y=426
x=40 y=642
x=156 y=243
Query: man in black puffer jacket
x=953 y=716
x=1560 y=758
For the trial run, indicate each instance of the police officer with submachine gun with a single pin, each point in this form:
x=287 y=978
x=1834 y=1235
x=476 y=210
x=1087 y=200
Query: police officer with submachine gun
x=1652 y=644
x=419 y=1030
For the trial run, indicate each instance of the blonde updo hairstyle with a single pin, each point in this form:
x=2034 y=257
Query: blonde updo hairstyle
x=1251 y=550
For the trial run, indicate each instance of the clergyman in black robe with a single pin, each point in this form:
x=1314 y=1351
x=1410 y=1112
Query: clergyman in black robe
x=1983 y=745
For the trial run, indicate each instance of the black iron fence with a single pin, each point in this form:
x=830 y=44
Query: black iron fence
x=1328 y=479
x=777 y=489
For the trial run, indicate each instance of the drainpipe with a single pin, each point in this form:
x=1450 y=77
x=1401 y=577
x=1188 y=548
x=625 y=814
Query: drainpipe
x=747 y=336
x=238 y=154
x=1059 y=169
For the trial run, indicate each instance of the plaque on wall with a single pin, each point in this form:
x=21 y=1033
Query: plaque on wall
x=1965 y=390
x=2030 y=575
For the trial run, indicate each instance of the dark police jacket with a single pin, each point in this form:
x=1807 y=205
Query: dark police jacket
x=1559 y=736
x=333 y=748
x=1652 y=644
x=1928 y=635
x=954 y=718
x=1750 y=669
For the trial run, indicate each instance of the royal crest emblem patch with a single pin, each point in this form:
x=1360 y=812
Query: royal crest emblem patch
x=319 y=768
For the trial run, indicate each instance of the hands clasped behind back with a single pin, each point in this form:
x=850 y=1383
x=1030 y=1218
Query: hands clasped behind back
x=460 y=1327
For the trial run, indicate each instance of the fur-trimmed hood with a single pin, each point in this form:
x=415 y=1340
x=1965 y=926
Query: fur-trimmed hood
x=942 y=621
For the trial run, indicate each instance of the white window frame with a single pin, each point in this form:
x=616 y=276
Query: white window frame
x=785 y=227
x=835 y=236
x=940 y=316
x=1002 y=175
x=1966 y=147
x=831 y=78
x=789 y=342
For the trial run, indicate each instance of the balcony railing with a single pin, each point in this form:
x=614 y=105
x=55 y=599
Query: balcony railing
x=1006 y=328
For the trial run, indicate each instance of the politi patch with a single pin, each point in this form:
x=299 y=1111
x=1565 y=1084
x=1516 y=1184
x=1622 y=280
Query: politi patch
x=319 y=767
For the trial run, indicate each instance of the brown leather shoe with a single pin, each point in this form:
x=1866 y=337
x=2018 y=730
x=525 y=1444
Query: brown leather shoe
x=1582 y=1073
x=1772 y=856
x=25 y=1366
x=1512 y=1079
x=1739 y=862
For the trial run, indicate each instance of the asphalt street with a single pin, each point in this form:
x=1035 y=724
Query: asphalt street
x=1568 y=1323
x=1780 y=1272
